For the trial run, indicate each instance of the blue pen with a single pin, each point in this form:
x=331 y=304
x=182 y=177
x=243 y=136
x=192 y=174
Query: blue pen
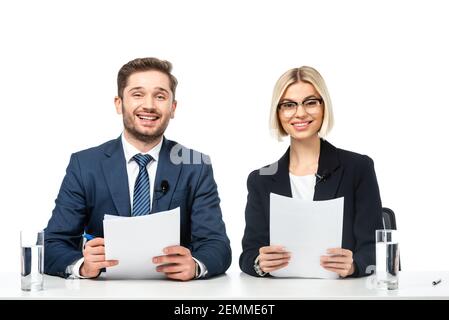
x=88 y=237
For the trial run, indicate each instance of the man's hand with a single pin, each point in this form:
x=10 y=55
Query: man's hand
x=94 y=259
x=177 y=264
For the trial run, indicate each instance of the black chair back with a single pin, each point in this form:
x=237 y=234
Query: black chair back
x=388 y=218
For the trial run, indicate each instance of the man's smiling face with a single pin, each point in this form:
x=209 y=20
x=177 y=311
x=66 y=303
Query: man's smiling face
x=147 y=105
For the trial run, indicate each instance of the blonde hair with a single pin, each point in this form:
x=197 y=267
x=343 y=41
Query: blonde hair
x=305 y=74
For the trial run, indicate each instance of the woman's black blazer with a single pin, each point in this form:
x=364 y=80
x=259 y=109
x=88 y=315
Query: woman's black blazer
x=344 y=174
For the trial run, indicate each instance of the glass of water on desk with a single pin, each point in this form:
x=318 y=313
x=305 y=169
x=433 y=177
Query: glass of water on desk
x=32 y=260
x=387 y=259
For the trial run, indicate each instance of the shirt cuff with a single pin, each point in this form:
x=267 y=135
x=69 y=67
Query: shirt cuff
x=76 y=269
x=203 y=269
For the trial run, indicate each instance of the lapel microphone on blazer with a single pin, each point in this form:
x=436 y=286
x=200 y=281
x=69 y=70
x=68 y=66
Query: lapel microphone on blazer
x=163 y=189
x=323 y=177
x=164 y=186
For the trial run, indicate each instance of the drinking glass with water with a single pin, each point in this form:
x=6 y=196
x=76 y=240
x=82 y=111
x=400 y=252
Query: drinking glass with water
x=387 y=259
x=32 y=260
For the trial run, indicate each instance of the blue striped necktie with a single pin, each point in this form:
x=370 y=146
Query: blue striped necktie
x=141 y=198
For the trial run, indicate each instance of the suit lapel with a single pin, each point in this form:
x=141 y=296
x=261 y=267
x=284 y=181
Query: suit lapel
x=114 y=169
x=328 y=165
x=281 y=179
x=166 y=170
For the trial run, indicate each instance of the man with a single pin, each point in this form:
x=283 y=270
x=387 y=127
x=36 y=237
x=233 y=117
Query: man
x=139 y=173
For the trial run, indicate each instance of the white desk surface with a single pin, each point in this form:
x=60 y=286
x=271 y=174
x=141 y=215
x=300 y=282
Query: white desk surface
x=412 y=285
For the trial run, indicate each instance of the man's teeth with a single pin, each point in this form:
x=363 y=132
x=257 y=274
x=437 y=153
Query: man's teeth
x=147 y=118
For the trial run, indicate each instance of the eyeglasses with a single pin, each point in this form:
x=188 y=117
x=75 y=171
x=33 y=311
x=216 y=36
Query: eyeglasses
x=310 y=105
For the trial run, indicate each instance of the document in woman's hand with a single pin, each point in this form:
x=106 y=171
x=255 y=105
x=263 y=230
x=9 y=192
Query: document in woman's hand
x=306 y=229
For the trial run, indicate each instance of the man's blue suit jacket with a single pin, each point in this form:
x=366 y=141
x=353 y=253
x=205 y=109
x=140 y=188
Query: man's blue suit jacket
x=96 y=183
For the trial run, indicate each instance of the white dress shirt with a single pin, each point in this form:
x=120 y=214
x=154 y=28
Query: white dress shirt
x=132 y=168
x=303 y=187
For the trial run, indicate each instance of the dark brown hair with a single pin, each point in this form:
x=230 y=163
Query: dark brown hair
x=144 y=64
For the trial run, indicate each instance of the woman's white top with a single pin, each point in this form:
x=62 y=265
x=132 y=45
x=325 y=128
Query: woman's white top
x=303 y=187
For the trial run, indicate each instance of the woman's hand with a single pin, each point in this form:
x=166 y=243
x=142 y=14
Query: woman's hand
x=272 y=258
x=339 y=261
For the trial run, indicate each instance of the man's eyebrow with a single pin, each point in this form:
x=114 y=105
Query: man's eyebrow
x=135 y=88
x=155 y=89
x=161 y=89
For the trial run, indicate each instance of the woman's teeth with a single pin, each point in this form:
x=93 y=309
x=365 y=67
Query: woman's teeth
x=303 y=124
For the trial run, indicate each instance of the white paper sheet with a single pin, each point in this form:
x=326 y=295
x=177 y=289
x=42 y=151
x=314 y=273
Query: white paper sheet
x=306 y=229
x=134 y=241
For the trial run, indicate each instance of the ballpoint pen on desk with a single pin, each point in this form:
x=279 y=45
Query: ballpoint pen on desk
x=436 y=282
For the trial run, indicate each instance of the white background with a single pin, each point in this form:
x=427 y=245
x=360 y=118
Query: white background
x=385 y=64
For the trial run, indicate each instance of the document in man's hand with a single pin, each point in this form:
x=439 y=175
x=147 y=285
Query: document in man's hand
x=134 y=241
x=306 y=229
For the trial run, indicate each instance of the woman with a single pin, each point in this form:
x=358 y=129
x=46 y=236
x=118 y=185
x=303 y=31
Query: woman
x=311 y=169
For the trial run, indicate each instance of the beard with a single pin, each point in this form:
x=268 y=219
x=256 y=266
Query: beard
x=130 y=127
